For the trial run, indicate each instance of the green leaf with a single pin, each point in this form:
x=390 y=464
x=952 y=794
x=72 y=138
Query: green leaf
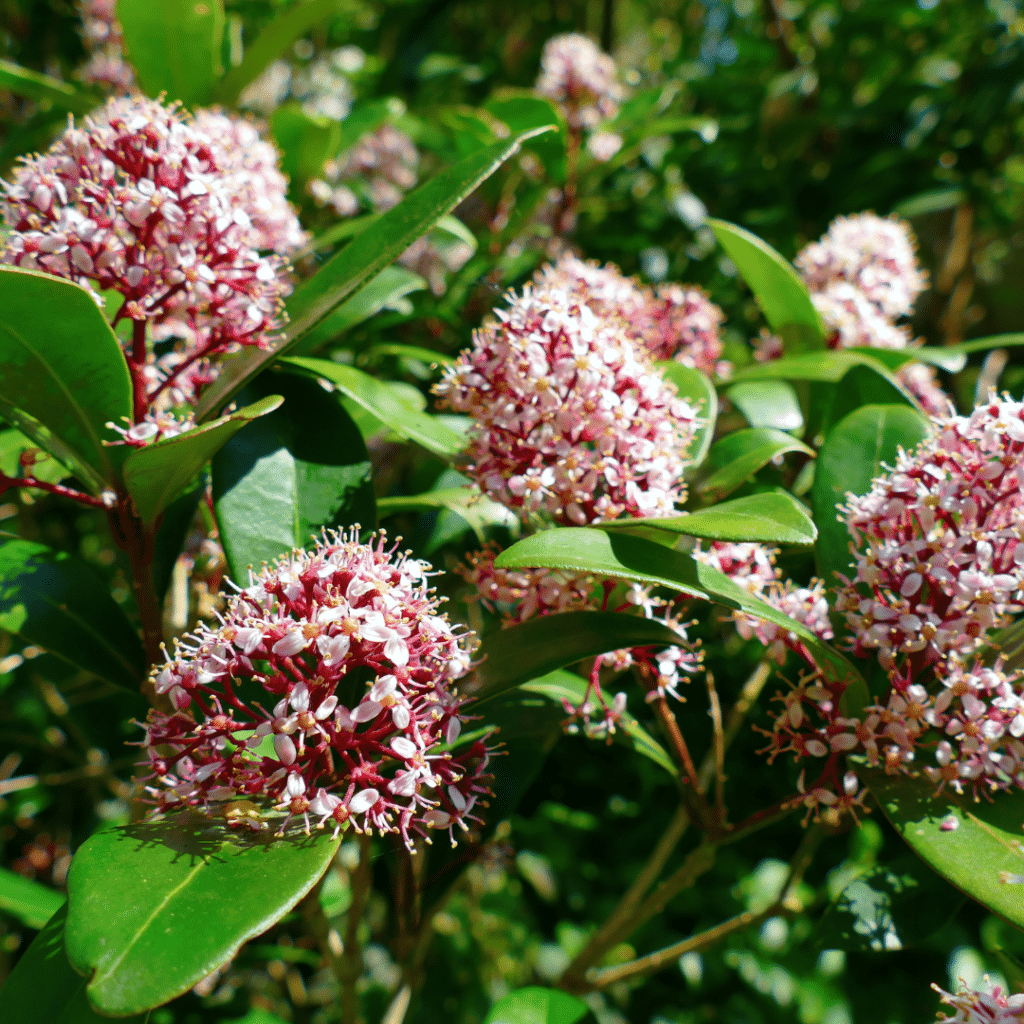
x=828 y=365
x=466 y=502
x=285 y=476
x=174 y=46
x=973 y=855
x=45 y=468
x=306 y=142
x=63 y=375
x=391 y=284
x=736 y=457
x=276 y=36
x=609 y=555
x=37 y=86
x=983 y=344
x=773 y=517
x=43 y=989
x=535 y=1005
x=851 y=457
x=698 y=390
x=173 y=531
x=156 y=475
x=363 y=118
x=31 y=903
x=523 y=109
x=362 y=259
x=861 y=386
x=182 y=894
x=57 y=602
x=376 y=397
x=768 y=403
x=533 y=648
x=947 y=358
x=781 y=294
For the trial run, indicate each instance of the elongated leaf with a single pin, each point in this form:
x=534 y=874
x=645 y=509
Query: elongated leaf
x=37 y=86
x=466 y=502
x=43 y=989
x=981 y=854
x=829 y=365
x=276 y=36
x=537 y=1006
x=63 y=376
x=850 y=458
x=174 y=46
x=781 y=294
x=737 y=457
x=947 y=358
x=698 y=390
x=57 y=602
x=31 y=903
x=287 y=475
x=197 y=891
x=364 y=257
x=767 y=403
x=619 y=556
x=380 y=400
x=391 y=284
x=533 y=648
x=156 y=475
x=523 y=109
x=774 y=517
x=984 y=344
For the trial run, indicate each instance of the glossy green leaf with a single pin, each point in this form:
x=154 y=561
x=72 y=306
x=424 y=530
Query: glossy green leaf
x=184 y=894
x=861 y=386
x=619 y=556
x=362 y=259
x=982 y=854
x=773 y=517
x=374 y=396
x=850 y=458
x=735 y=458
x=523 y=109
x=57 y=602
x=274 y=39
x=156 y=475
x=37 y=86
x=174 y=46
x=466 y=502
x=43 y=988
x=767 y=403
x=535 y=1005
x=305 y=140
x=533 y=648
x=287 y=475
x=778 y=288
x=390 y=285
x=948 y=358
x=31 y=903
x=348 y=228
x=698 y=390
x=984 y=344
x=827 y=365
x=63 y=375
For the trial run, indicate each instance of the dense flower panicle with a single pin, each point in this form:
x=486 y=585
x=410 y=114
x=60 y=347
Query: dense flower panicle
x=922 y=382
x=570 y=417
x=358 y=666
x=992 y=1007
x=853 y=320
x=582 y=78
x=940 y=541
x=101 y=33
x=873 y=254
x=747 y=563
x=137 y=200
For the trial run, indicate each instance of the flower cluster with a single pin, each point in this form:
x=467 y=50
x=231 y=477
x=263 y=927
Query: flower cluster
x=570 y=417
x=972 y=1007
x=581 y=78
x=347 y=642
x=142 y=201
x=321 y=82
x=102 y=36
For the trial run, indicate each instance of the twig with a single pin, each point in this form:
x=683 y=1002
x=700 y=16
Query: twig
x=693 y=799
x=717 y=747
x=42 y=485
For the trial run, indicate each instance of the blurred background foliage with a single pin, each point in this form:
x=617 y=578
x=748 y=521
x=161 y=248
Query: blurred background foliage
x=774 y=114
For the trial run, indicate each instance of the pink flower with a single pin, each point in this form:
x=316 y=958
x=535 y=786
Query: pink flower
x=101 y=33
x=972 y=1007
x=578 y=75
x=297 y=634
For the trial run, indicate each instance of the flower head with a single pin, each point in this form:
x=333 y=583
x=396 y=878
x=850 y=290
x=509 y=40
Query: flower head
x=101 y=33
x=582 y=78
x=325 y=691
x=972 y=1007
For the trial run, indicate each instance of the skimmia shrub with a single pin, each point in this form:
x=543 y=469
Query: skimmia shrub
x=735 y=554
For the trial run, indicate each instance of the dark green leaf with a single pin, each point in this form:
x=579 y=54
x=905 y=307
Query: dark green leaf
x=781 y=294
x=737 y=457
x=521 y=110
x=609 y=555
x=43 y=989
x=851 y=457
x=306 y=141
x=37 y=86
x=774 y=517
x=698 y=390
x=156 y=475
x=184 y=894
x=31 y=903
x=533 y=648
x=981 y=854
x=63 y=375
x=285 y=476
x=376 y=397
x=466 y=502
x=767 y=403
x=174 y=46
x=362 y=259
x=537 y=1006
x=860 y=386
x=173 y=530
x=57 y=602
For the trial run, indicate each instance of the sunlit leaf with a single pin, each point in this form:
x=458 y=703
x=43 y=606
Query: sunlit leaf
x=736 y=457
x=27 y=901
x=767 y=403
x=697 y=389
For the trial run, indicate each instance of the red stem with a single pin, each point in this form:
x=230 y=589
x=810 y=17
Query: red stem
x=64 y=492
x=137 y=367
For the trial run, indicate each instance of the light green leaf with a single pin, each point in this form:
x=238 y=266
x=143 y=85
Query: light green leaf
x=828 y=365
x=37 y=86
x=984 y=344
x=466 y=502
x=698 y=390
x=306 y=142
x=735 y=458
x=31 y=903
x=523 y=109
x=537 y=1006
x=768 y=403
